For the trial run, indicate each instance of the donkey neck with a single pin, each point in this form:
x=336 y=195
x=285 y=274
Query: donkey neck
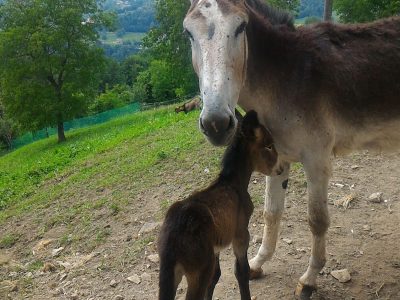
x=236 y=167
x=273 y=51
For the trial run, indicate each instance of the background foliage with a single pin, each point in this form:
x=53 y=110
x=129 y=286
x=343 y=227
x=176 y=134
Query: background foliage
x=351 y=11
x=49 y=60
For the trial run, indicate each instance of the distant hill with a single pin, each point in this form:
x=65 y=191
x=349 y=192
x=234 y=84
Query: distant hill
x=133 y=15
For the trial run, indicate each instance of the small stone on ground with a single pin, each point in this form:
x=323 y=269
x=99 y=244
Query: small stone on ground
x=375 y=197
x=149 y=227
x=153 y=258
x=134 y=278
x=113 y=283
x=341 y=275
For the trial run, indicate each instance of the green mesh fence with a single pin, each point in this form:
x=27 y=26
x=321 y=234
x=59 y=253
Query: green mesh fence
x=77 y=123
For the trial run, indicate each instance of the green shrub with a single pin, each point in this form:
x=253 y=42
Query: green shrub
x=311 y=20
x=118 y=96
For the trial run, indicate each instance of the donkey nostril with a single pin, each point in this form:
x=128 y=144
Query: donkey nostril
x=202 y=127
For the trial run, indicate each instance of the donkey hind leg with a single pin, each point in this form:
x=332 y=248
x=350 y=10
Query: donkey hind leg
x=318 y=175
x=214 y=280
x=242 y=269
x=273 y=209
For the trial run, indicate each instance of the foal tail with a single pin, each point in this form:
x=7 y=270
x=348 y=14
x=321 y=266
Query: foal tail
x=167 y=286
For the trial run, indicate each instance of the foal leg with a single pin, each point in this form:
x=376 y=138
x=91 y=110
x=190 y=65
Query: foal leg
x=242 y=270
x=318 y=174
x=214 y=280
x=273 y=209
x=198 y=282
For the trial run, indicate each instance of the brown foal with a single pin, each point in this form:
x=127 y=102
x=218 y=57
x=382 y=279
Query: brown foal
x=197 y=228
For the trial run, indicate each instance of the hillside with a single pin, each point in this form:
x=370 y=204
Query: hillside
x=80 y=218
x=133 y=15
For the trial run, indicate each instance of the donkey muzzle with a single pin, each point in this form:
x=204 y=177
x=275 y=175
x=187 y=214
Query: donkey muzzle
x=219 y=129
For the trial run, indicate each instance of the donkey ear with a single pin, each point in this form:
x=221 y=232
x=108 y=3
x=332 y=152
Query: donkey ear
x=250 y=123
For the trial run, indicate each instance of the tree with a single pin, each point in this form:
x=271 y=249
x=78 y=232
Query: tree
x=289 y=5
x=328 y=10
x=8 y=129
x=171 y=48
x=49 y=61
x=350 y=11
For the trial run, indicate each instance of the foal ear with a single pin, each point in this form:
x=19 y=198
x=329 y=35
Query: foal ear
x=250 y=123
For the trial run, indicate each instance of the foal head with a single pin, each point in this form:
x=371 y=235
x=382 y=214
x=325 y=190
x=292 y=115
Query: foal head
x=260 y=145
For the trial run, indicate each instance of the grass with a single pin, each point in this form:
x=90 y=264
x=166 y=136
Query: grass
x=139 y=140
x=97 y=158
x=8 y=240
x=98 y=176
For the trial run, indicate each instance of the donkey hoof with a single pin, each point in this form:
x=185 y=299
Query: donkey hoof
x=304 y=292
x=256 y=274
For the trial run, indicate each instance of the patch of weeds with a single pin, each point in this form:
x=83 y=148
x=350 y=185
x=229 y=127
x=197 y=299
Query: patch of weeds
x=257 y=200
x=102 y=235
x=65 y=240
x=35 y=266
x=296 y=166
x=26 y=284
x=115 y=209
x=162 y=155
x=53 y=221
x=8 y=240
x=99 y=203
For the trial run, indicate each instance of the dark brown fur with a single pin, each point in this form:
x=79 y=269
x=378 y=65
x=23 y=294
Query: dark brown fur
x=354 y=69
x=214 y=218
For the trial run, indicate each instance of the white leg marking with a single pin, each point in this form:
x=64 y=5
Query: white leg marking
x=274 y=204
x=318 y=174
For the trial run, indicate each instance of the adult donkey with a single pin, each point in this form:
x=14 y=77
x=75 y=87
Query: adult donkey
x=321 y=90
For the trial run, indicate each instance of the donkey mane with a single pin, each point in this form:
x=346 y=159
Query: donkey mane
x=275 y=16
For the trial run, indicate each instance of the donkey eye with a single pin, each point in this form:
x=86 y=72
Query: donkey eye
x=268 y=147
x=187 y=32
x=240 y=29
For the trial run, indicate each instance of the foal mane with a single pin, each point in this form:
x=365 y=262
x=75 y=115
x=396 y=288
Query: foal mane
x=234 y=153
x=274 y=15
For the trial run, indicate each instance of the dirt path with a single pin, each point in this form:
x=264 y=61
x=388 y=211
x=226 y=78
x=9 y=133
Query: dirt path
x=364 y=238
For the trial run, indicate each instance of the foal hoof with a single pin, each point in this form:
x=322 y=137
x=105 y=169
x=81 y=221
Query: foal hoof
x=256 y=274
x=303 y=292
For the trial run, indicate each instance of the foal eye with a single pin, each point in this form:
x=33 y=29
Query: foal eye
x=187 y=32
x=240 y=29
x=268 y=147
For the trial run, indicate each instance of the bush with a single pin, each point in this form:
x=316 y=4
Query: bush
x=118 y=96
x=311 y=20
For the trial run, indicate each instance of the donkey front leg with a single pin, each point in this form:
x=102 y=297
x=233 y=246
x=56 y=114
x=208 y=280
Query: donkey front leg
x=318 y=175
x=273 y=209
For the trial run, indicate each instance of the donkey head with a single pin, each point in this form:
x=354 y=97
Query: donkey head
x=260 y=145
x=216 y=29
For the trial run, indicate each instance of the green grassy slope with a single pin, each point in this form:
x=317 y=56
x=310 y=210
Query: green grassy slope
x=101 y=157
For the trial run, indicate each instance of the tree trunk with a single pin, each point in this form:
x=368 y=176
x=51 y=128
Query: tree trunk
x=9 y=139
x=61 y=133
x=328 y=10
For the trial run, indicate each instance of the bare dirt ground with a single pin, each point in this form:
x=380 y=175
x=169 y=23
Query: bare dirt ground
x=364 y=238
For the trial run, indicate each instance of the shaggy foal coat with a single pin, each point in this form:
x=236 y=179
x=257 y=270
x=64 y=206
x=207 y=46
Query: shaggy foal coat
x=197 y=228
